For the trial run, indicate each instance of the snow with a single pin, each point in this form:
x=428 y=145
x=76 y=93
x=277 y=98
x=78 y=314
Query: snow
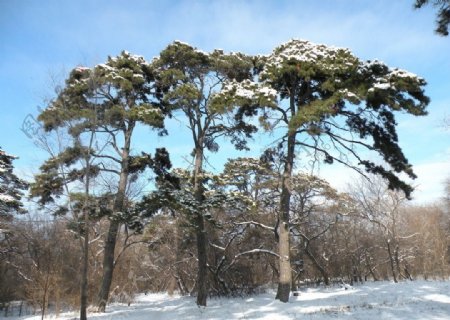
x=369 y=301
x=6 y=198
x=303 y=51
x=136 y=58
x=238 y=88
x=179 y=42
x=182 y=43
x=7 y=155
x=106 y=67
x=148 y=111
x=81 y=68
x=268 y=92
x=382 y=86
x=402 y=73
x=349 y=95
x=248 y=90
x=389 y=80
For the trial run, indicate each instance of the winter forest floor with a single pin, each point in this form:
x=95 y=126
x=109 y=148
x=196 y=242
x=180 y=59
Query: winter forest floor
x=376 y=300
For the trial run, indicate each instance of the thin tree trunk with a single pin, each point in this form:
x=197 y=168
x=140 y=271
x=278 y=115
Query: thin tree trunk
x=397 y=262
x=371 y=270
x=202 y=253
x=108 y=266
x=323 y=272
x=85 y=267
x=110 y=245
x=391 y=261
x=84 y=271
x=46 y=292
x=58 y=300
x=202 y=286
x=178 y=276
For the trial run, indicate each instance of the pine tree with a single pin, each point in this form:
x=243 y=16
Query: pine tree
x=11 y=187
x=108 y=101
x=336 y=108
x=253 y=178
x=193 y=80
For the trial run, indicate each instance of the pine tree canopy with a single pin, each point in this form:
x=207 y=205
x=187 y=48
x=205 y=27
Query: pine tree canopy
x=106 y=101
x=196 y=84
x=342 y=107
x=11 y=187
x=115 y=94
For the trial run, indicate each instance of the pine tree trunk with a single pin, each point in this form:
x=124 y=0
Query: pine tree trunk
x=202 y=287
x=284 y=284
x=178 y=275
x=85 y=247
x=84 y=271
x=108 y=266
x=202 y=253
x=110 y=245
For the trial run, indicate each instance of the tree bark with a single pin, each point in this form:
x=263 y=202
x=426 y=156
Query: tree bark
x=285 y=280
x=202 y=286
x=202 y=253
x=119 y=204
x=108 y=266
x=284 y=283
x=85 y=247
x=84 y=270
x=391 y=261
x=397 y=262
x=45 y=293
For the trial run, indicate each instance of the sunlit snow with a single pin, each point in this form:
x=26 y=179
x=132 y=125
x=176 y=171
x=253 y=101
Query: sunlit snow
x=374 y=300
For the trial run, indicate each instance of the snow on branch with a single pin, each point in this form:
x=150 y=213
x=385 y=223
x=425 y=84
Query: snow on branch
x=256 y=224
x=253 y=251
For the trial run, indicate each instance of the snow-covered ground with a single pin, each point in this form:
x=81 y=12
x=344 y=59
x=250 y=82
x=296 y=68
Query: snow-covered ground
x=379 y=300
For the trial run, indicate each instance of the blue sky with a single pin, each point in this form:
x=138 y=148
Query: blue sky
x=43 y=40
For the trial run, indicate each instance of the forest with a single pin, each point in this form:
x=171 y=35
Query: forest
x=120 y=221
x=110 y=217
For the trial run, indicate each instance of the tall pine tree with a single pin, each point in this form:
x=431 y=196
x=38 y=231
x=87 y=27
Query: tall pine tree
x=109 y=100
x=333 y=107
x=194 y=80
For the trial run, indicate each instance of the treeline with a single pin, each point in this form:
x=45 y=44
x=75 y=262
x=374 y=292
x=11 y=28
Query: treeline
x=367 y=234
x=258 y=222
